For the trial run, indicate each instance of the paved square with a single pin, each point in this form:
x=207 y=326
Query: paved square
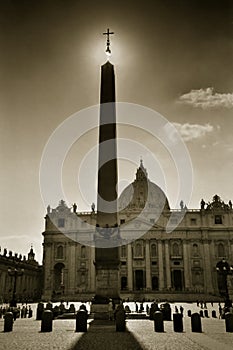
x=140 y=335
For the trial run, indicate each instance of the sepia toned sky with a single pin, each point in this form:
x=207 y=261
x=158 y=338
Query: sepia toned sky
x=175 y=57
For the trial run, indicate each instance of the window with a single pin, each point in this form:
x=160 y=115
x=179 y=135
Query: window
x=123 y=251
x=175 y=249
x=153 y=250
x=83 y=278
x=193 y=221
x=58 y=276
x=122 y=221
x=218 y=219
x=221 y=250
x=61 y=222
x=60 y=252
x=155 y=283
x=195 y=249
x=154 y=263
x=196 y=278
x=176 y=263
x=138 y=249
x=123 y=263
x=83 y=251
x=152 y=221
x=123 y=283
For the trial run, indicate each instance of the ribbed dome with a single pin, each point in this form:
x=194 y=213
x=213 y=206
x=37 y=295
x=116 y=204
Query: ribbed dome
x=142 y=193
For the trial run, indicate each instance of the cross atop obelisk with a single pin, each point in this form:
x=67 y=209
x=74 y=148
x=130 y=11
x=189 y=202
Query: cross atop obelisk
x=108 y=33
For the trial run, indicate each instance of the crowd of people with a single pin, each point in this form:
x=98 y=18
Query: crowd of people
x=25 y=311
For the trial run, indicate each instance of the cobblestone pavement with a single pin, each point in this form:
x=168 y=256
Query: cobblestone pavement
x=26 y=335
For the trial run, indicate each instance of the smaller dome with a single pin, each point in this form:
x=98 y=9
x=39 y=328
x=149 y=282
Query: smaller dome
x=142 y=193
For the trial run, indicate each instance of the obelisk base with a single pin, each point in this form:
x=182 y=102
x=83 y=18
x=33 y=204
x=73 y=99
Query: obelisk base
x=107 y=287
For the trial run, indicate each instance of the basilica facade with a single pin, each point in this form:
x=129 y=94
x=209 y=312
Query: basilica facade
x=154 y=262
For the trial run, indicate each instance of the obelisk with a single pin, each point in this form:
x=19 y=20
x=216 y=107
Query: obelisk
x=106 y=251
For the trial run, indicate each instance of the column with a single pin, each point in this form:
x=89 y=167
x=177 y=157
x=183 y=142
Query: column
x=71 y=269
x=129 y=267
x=186 y=266
x=148 y=266
x=213 y=257
x=47 y=292
x=168 y=269
x=207 y=267
x=161 y=275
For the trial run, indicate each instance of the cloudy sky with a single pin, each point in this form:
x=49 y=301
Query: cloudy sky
x=174 y=57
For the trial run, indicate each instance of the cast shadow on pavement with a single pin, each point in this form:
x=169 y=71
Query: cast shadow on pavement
x=102 y=335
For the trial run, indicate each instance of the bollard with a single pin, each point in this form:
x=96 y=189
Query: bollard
x=229 y=322
x=189 y=313
x=178 y=322
x=81 y=321
x=201 y=313
x=158 y=321
x=47 y=321
x=196 y=323
x=166 y=311
x=214 y=314
x=154 y=307
x=8 y=322
x=39 y=311
x=120 y=320
x=206 y=313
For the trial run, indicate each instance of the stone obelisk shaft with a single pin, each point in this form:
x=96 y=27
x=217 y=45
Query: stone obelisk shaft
x=107 y=174
x=107 y=259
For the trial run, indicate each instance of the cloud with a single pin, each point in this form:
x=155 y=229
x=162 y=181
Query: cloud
x=193 y=131
x=207 y=98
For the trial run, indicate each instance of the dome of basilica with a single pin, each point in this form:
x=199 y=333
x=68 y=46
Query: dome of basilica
x=143 y=194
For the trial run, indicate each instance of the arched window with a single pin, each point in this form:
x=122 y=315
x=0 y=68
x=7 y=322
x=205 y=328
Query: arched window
x=123 y=251
x=221 y=250
x=83 y=251
x=60 y=252
x=153 y=250
x=175 y=249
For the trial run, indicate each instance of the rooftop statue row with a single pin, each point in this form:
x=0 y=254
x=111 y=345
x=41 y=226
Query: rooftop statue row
x=62 y=207
x=16 y=256
x=216 y=204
